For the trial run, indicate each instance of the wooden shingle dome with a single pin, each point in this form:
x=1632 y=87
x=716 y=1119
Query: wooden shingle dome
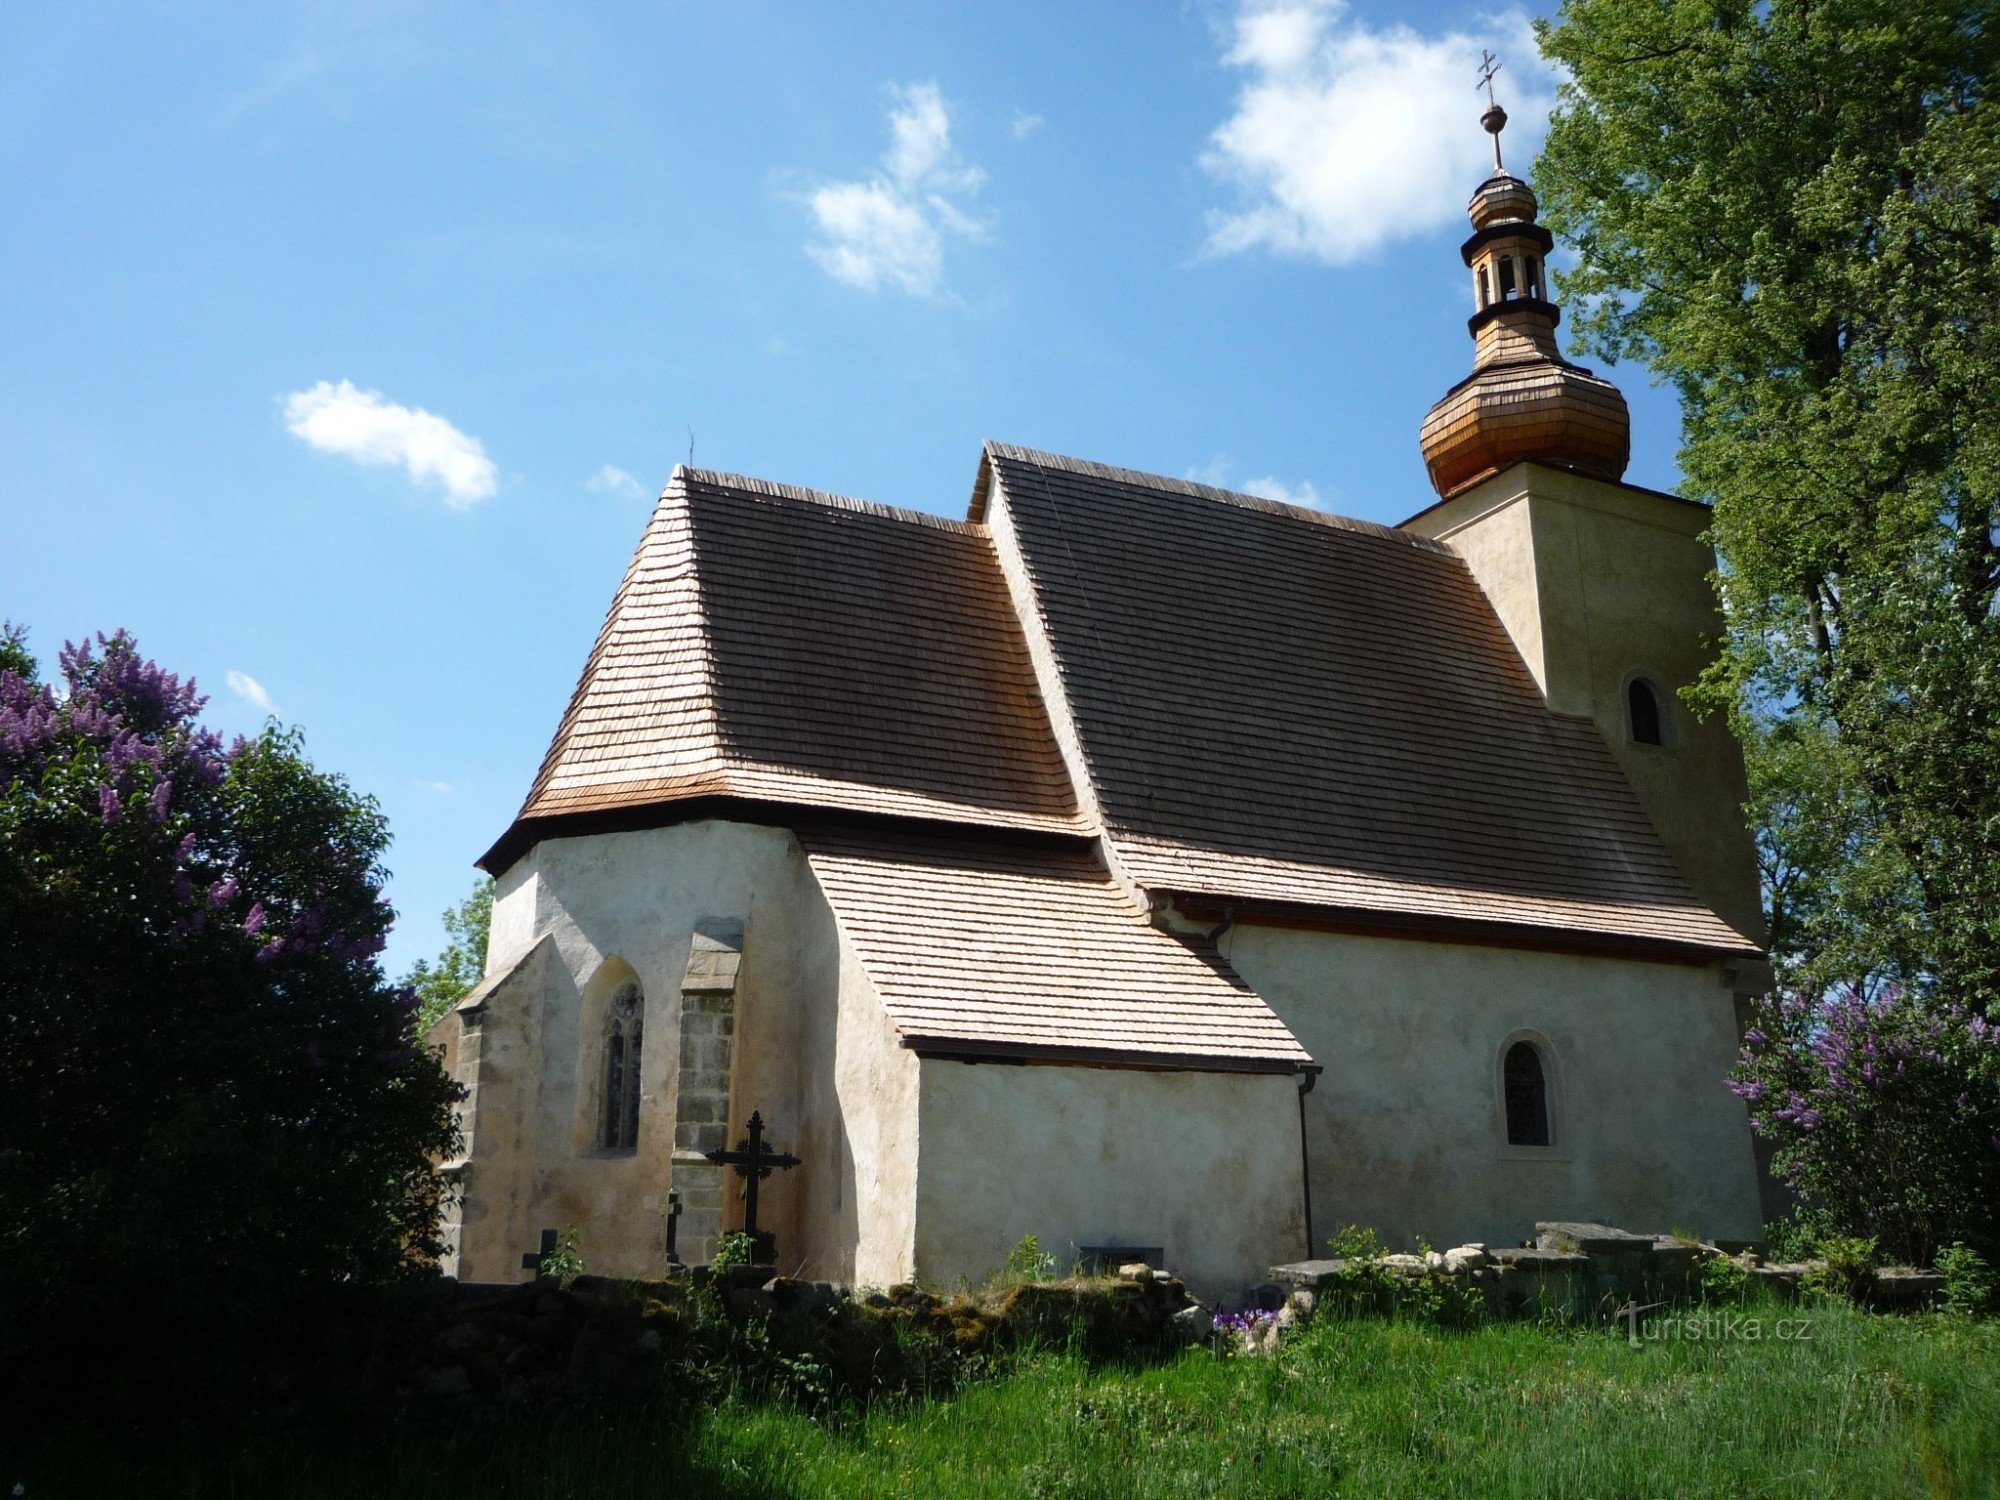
x=1523 y=400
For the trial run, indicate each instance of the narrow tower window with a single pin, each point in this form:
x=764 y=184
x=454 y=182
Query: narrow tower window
x=1527 y=1095
x=1485 y=296
x=1506 y=277
x=1642 y=707
x=624 y=1025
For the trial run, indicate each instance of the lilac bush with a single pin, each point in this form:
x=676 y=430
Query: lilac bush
x=1883 y=1109
x=211 y=1102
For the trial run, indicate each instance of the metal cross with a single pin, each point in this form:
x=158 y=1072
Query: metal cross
x=1488 y=66
x=673 y=1227
x=532 y=1260
x=754 y=1161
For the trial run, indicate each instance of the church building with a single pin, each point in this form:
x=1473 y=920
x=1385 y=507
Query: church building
x=1136 y=865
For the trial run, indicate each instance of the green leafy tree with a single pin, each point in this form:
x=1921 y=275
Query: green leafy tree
x=212 y=1112
x=1791 y=211
x=460 y=966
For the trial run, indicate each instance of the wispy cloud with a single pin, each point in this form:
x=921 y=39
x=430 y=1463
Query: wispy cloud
x=250 y=690
x=370 y=429
x=1026 y=124
x=1220 y=471
x=1305 y=492
x=612 y=480
x=1346 y=137
x=889 y=228
x=443 y=788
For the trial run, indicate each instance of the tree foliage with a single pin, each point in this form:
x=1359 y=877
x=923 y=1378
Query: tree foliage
x=1791 y=211
x=441 y=985
x=210 y=1100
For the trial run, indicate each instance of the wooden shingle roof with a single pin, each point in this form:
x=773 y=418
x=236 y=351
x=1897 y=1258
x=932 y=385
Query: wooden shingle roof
x=788 y=647
x=982 y=947
x=1280 y=706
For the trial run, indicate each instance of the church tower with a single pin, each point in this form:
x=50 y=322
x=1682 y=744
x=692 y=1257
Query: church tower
x=1523 y=400
x=1604 y=587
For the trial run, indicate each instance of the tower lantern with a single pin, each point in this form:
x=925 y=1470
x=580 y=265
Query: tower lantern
x=1523 y=400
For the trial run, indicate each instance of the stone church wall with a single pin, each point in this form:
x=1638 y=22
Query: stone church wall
x=750 y=1004
x=1406 y=1130
x=1202 y=1166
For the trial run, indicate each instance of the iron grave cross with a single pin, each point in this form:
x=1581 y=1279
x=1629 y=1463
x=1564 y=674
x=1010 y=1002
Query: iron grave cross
x=754 y=1161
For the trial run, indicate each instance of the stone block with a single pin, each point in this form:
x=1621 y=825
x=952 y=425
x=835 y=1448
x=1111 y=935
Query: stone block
x=1317 y=1274
x=1588 y=1239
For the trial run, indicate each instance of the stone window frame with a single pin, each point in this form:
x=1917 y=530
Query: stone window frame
x=1663 y=703
x=594 y=1017
x=623 y=1045
x=1554 y=1092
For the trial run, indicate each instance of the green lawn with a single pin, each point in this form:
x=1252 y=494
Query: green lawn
x=1868 y=1405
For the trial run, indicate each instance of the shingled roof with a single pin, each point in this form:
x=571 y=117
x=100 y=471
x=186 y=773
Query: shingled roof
x=980 y=947
x=1261 y=704
x=794 y=648
x=1278 y=705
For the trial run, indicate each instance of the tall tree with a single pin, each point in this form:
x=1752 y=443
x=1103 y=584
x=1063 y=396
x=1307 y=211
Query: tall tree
x=1791 y=210
x=441 y=985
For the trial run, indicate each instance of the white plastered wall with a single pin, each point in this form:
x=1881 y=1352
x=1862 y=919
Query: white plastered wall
x=1204 y=1166
x=814 y=1052
x=1406 y=1131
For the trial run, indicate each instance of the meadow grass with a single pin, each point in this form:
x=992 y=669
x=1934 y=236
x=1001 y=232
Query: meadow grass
x=1867 y=1405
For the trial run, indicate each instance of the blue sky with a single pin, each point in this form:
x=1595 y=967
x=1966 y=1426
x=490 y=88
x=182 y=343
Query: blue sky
x=344 y=346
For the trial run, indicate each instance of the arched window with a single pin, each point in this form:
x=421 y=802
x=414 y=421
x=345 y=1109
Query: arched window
x=624 y=1027
x=1526 y=1087
x=1485 y=296
x=1506 y=265
x=1642 y=713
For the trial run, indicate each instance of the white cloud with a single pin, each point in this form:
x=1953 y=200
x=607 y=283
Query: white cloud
x=1220 y=472
x=443 y=788
x=1346 y=137
x=612 y=480
x=889 y=228
x=366 y=427
x=250 y=690
x=1305 y=492
x=1026 y=124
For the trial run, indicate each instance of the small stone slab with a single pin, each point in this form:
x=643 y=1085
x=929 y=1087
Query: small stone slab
x=1590 y=1239
x=1539 y=1262
x=1313 y=1274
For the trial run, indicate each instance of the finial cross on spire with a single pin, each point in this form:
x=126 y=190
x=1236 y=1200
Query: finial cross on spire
x=1495 y=118
x=1488 y=66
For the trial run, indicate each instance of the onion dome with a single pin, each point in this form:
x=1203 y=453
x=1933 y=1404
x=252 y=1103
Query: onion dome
x=1523 y=400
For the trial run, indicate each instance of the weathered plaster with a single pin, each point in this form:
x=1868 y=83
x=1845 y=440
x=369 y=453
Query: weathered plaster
x=619 y=902
x=1406 y=1132
x=1203 y=1165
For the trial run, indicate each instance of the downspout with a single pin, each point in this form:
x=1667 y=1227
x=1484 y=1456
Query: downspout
x=1307 y=1079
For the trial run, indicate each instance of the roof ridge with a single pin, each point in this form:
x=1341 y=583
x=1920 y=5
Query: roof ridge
x=684 y=475
x=1201 y=491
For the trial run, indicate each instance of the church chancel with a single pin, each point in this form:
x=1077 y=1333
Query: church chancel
x=1134 y=863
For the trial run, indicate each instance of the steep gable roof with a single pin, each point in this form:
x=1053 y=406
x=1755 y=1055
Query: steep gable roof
x=980 y=947
x=789 y=647
x=1277 y=705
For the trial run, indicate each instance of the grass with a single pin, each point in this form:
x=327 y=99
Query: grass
x=1868 y=1405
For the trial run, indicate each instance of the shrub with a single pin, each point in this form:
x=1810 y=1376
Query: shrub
x=1845 y=1266
x=1968 y=1281
x=564 y=1264
x=212 y=1108
x=1884 y=1115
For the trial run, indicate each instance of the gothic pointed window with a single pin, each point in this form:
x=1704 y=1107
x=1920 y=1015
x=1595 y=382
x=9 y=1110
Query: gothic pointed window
x=1526 y=1087
x=624 y=1026
x=1642 y=710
